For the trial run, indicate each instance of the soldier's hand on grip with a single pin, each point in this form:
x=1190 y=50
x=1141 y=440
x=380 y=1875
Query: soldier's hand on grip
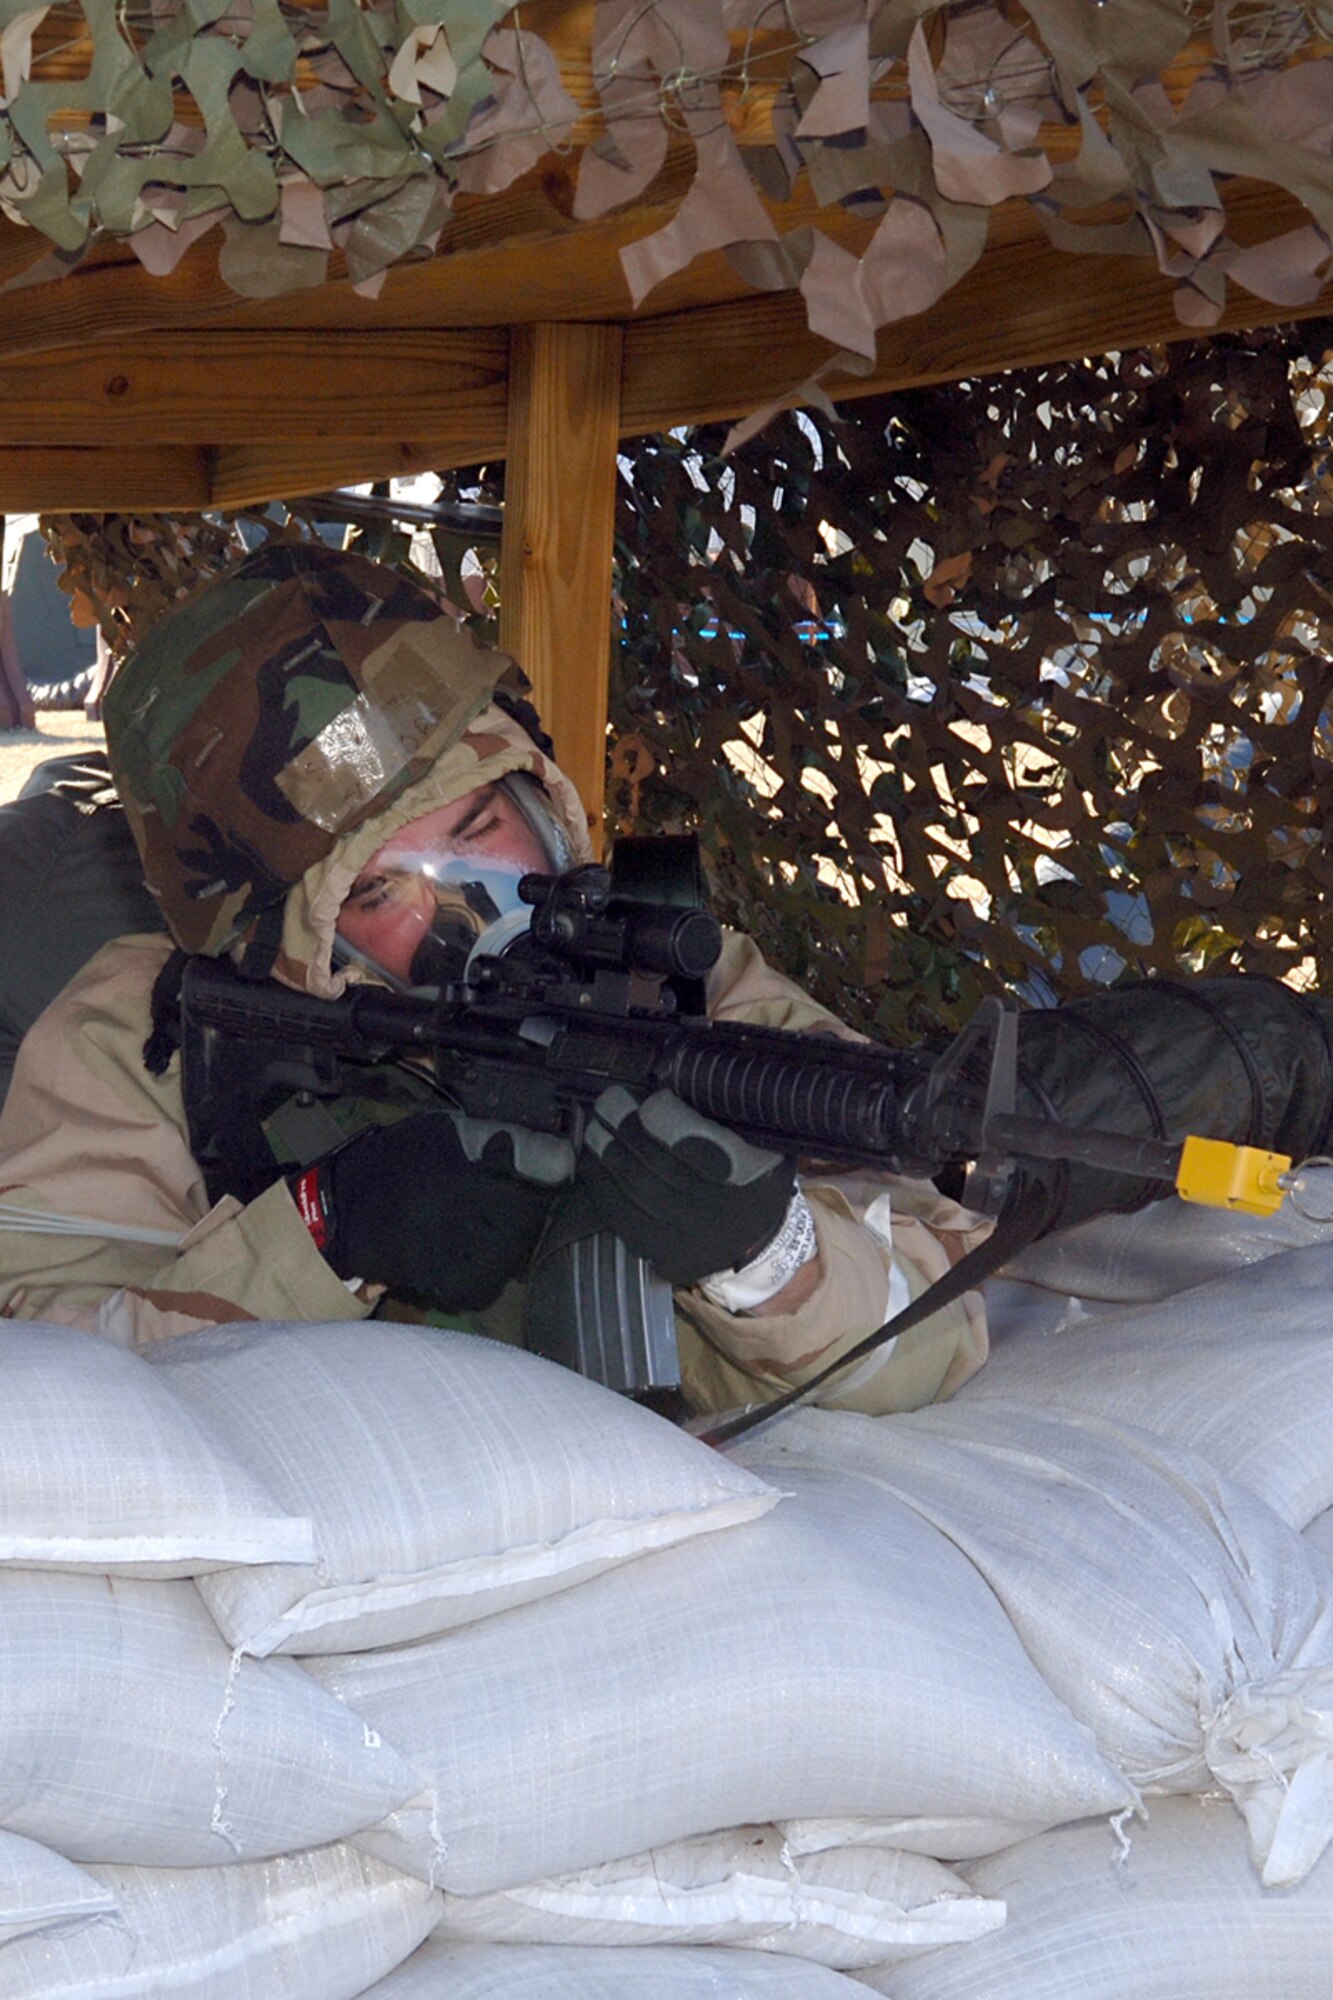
x=684 y=1193
x=443 y=1210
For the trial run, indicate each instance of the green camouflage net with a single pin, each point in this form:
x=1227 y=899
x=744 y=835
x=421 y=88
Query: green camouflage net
x=1018 y=684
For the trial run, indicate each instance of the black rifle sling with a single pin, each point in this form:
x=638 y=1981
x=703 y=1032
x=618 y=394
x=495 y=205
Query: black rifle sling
x=1015 y=1227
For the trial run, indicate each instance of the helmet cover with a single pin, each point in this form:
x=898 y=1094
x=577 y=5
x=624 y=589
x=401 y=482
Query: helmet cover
x=271 y=714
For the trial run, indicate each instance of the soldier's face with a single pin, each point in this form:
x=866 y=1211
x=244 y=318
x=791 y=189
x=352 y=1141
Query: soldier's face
x=399 y=894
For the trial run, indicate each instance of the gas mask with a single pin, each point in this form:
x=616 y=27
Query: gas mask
x=445 y=887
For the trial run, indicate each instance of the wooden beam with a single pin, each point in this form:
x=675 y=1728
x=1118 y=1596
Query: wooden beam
x=502 y=259
x=1023 y=305
x=101 y=480
x=703 y=367
x=250 y=475
x=244 y=415
x=230 y=388
x=559 y=527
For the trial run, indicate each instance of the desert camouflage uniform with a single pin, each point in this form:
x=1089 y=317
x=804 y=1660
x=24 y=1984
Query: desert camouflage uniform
x=257 y=798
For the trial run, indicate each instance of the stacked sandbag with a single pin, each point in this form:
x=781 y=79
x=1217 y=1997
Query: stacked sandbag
x=835 y=1656
x=210 y=1790
x=853 y=1906
x=104 y=1470
x=440 y=1670
x=448 y=1478
x=1240 y=1370
x=40 y=1891
x=442 y=1970
x=1172 y=1610
x=129 y=1733
x=1172 y=1911
x=318 y=1926
x=614 y=1658
x=188 y=1781
x=1167 y=1248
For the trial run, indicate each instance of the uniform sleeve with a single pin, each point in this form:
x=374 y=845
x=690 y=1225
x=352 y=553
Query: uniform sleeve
x=87 y=1133
x=744 y=987
x=882 y=1241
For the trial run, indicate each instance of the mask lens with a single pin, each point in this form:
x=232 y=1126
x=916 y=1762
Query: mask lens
x=433 y=893
x=469 y=902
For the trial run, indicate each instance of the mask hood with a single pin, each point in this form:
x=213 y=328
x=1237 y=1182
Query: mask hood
x=491 y=748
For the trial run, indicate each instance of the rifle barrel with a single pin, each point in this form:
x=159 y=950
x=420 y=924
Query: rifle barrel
x=1116 y=1152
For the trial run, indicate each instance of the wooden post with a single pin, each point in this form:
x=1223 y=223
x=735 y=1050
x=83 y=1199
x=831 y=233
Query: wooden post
x=16 y=710
x=559 y=525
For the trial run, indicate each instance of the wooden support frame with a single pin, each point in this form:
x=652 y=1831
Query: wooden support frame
x=559 y=530
x=231 y=414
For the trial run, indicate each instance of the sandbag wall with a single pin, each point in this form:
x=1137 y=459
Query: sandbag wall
x=368 y=1659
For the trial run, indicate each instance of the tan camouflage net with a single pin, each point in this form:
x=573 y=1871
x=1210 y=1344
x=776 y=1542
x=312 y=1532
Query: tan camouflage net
x=1016 y=683
x=341 y=138
x=124 y=572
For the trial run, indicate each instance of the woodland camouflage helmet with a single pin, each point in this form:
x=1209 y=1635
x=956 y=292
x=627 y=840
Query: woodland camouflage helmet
x=273 y=712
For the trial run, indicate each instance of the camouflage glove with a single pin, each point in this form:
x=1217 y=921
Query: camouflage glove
x=442 y=1209
x=683 y=1193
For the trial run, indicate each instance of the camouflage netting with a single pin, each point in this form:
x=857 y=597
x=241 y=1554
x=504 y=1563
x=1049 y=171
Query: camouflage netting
x=125 y=571
x=1021 y=682
x=1014 y=683
x=358 y=127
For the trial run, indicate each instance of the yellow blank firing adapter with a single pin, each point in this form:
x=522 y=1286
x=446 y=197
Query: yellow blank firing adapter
x=1225 y=1176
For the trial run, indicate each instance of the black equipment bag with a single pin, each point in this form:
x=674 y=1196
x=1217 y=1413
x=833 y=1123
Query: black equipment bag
x=70 y=880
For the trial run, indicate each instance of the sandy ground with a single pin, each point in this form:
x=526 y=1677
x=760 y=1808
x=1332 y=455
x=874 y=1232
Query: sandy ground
x=58 y=734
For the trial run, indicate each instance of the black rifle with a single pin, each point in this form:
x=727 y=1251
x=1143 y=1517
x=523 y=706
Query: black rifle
x=607 y=989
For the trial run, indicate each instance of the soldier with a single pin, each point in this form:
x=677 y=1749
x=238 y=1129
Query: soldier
x=283 y=743
x=330 y=781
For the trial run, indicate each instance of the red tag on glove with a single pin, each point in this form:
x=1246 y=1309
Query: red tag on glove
x=310 y=1202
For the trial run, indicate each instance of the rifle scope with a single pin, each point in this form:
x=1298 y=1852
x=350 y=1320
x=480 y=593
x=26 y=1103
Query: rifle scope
x=577 y=917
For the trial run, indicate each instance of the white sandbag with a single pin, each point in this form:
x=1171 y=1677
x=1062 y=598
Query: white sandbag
x=856 y=1906
x=1170 y=1609
x=39 y=1887
x=103 y=1469
x=448 y=1477
x=128 y=1733
x=959 y=1838
x=1179 y=1916
x=443 y=1970
x=1170 y=1246
x=1319 y=1535
x=838 y=1656
x=1240 y=1370
x=318 y=1926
